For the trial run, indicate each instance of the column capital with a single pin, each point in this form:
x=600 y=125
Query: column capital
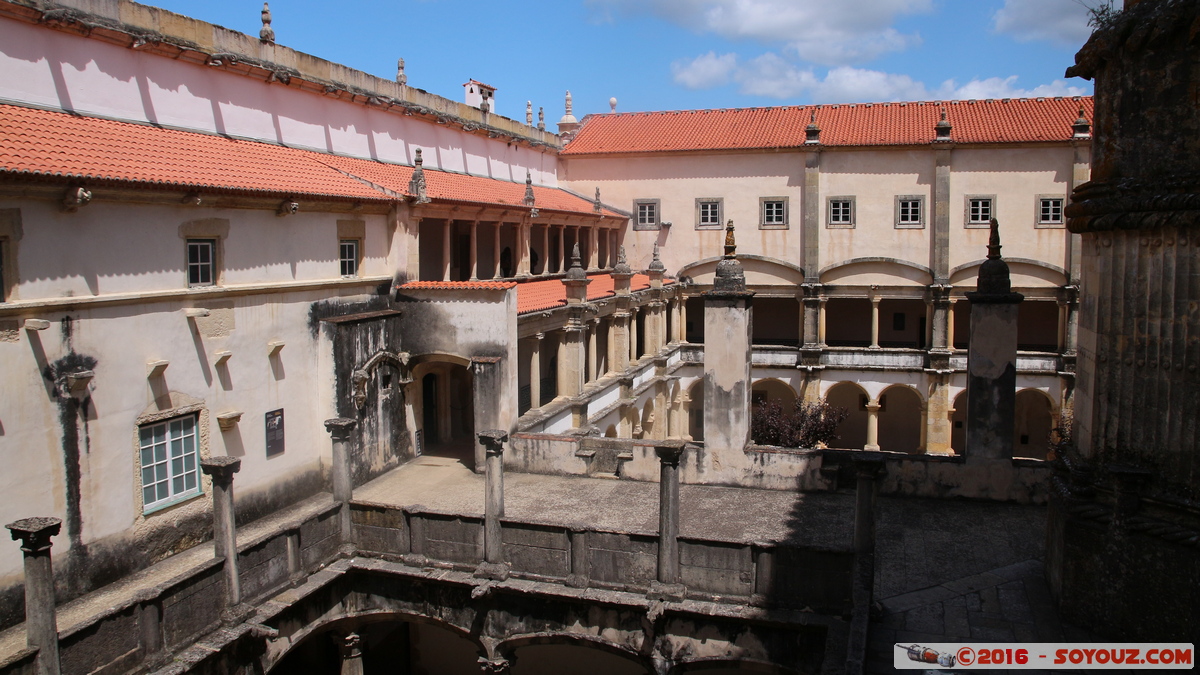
x=221 y=468
x=340 y=427
x=497 y=665
x=348 y=645
x=669 y=451
x=493 y=440
x=35 y=533
x=868 y=465
x=539 y=336
x=874 y=406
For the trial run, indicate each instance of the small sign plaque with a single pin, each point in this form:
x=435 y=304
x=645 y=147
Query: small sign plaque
x=274 y=424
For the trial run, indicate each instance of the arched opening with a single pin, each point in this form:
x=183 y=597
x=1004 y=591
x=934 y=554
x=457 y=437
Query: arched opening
x=902 y=323
x=852 y=432
x=773 y=391
x=648 y=420
x=848 y=322
x=1034 y=413
x=958 y=424
x=777 y=321
x=572 y=657
x=962 y=324
x=611 y=432
x=900 y=420
x=696 y=411
x=694 y=311
x=446 y=418
x=1037 y=326
x=388 y=644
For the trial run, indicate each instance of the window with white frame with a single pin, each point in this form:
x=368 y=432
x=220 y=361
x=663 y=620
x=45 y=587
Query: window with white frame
x=910 y=211
x=1050 y=212
x=773 y=212
x=348 y=256
x=980 y=210
x=840 y=213
x=201 y=262
x=708 y=213
x=169 y=453
x=646 y=214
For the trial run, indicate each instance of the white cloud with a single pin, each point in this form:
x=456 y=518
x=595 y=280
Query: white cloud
x=1004 y=87
x=1061 y=21
x=705 y=71
x=770 y=75
x=858 y=85
x=828 y=32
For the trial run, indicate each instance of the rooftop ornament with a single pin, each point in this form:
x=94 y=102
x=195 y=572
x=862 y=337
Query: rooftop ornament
x=529 y=113
x=812 y=132
x=416 y=185
x=942 y=128
x=267 y=34
x=541 y=118
x=656 y=263
x=1083 y=129
x=401 y=78
x=576 y=272
x=994 y=284
x=622 y=266
x=568 y=118
x=596 y=205
x=730 y=278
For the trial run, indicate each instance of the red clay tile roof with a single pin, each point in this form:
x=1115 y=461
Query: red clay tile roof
x=864 y=124
x=50 y=143
x=457 y=285
x=43 y=142
x=535 y=296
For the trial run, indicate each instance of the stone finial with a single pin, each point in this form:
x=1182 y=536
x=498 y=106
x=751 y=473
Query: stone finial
x=569 y=117
x=416 y=185
x=812 y=132
x=541 y=118
x=529 y=113
x=656 y=263
x=267 y=34
x=730 y=243
x=622 y=266
x=730 y=277
x=612 y=104
x=529 y=199
x=221 y=468
x=942 y=128
x=1082 y=128
x=993 y=273
x=339 y=428
x=35 y=533
x=596 y=205
x=493 y=440
x=401 y=78
x=576 y=269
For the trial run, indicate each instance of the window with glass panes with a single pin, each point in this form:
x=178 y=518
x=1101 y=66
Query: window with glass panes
x=774 y=212
x=201 y=265
x=908 y=211
x=979 y=211
x=1050 y=210
x=169 y=461
x=710 y=213
x=648 y=214
x=349 y=257
x=841 y=212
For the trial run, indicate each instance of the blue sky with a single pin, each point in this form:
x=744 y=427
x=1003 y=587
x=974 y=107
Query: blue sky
x=682 y=54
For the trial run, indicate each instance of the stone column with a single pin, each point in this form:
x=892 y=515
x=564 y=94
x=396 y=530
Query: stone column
x=562 y=248
x=939 y=326
x=41 y=623
x=221 y=470
x=348 y=646
x=339 y=429
x=728 y=327
x=493 y=566
x=593 y=248
x=524 y=234
x=810 y=316
x=546 y=249
x=668 y=453
x=992 y=359
x=821 y=321
x=572 y=362
x=868 y=470
x=874 y=322
x=872 y=425
x=535 y=372
x=950 y=326
x=633 y=334
x=446 y=249
x=496 y=252
x=475 y=251
x=593 y=326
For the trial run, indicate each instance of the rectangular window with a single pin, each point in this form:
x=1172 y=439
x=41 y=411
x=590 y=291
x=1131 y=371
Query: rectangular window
x=646 y=214
x=980 y=211
x=1050 y=211
x=910 y=211
x=773 y=212
x=841 y=212
x=348 y=255
x=708 y=213
x=202 y=264
x=169 y=461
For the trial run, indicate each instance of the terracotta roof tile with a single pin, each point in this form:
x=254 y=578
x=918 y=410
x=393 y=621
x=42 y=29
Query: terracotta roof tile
x=864 y=124
x=536 y=296
x=457 y=285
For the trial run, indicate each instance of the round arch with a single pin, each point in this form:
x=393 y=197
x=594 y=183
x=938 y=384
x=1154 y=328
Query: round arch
x=433 y=357
x=561 y=654
x=760 y=270
x=876 y=270
x=901 y=418
x=852 y=432
x=774 y=390
x=1035 y=416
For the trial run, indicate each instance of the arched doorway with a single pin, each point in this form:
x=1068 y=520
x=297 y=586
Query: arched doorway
x=852 y=432
x=1034 y=418
x=900 y=419
x=444 y=396
x=958 y=424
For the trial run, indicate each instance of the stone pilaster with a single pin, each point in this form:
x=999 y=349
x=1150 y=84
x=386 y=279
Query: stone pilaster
x=41 y=623
x=728 y=330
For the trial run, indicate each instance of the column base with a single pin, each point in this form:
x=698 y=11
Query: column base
x=666 y=592
x=870 y=447
x=414 y=559
x=493 y=571
x=577 y=581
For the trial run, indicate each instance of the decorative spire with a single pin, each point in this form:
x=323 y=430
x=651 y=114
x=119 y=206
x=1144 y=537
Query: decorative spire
x=267 y=34
x=622 y=266
x=812 y=132
x=596 y=206
x=569 y=113
x=576 y=270
x=416 y=186
x=1083 y=129
x=994 y=279
x=541 y=118
x=729 y=277
x=942 y=128
x=568 y=118
x=529 y=113
x=529 y=201
x=994 y=241
x=656 y=263
x=401 y=78
x=730 y=244
x=612 y=104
